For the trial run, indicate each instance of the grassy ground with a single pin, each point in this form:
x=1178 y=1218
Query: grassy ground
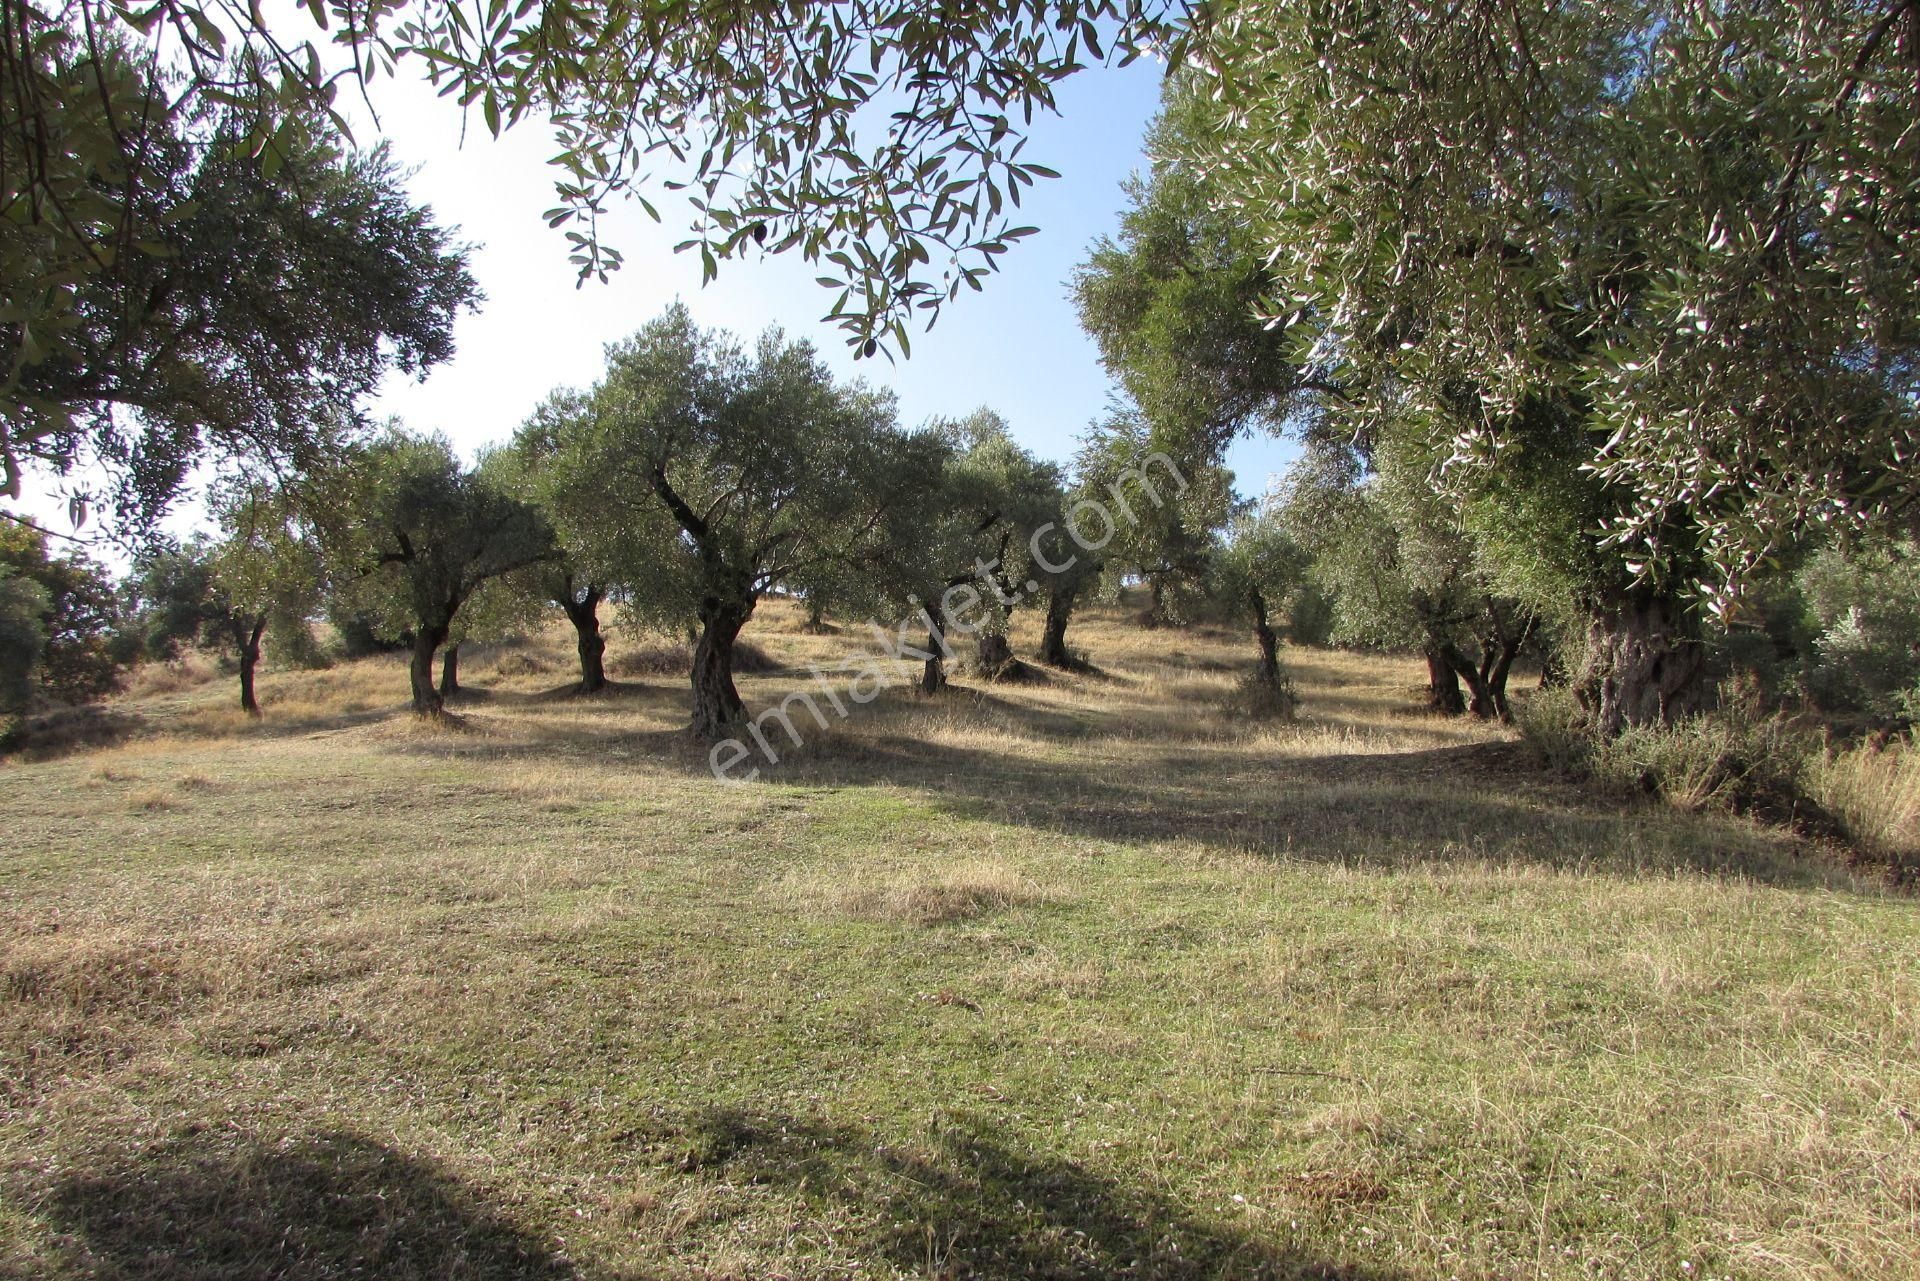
x=1074 y=979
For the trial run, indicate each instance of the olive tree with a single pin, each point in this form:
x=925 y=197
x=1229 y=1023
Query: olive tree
x=420 y=534
x=263 y=569
x=967 y=557
x=1154 y=504
x=595 y=540
x=167 y=292
x=1401 y=571
x=1659 y=261
x=1256 y=571
x=753 y=466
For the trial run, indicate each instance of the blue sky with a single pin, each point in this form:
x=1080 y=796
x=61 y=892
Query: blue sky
x=1016 y=347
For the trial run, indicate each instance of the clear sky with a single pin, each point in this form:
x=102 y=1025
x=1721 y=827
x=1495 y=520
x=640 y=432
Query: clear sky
x=1016 y=346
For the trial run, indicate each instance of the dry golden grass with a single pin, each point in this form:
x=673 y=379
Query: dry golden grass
x=1076 y=978
x=1874 y=790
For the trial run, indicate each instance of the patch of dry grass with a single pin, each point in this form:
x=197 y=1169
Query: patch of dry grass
x=966 y=889
x=1874 y=790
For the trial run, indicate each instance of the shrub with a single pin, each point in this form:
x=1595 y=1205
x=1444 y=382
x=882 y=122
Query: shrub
x=1556 y=727
x=675 y=658
x=1863 y=605
x=291 y=643
x=1735 y=759
x=1255 y=699
x=1873 y=792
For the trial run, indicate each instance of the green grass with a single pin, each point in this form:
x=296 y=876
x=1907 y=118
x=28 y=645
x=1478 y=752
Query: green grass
x=1081 y=979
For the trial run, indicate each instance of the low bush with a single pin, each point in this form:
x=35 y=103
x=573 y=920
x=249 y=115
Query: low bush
x=1555 y=726
x=1873 y=792
x=1737 y=759
x=675 y=658
x=1255 y=699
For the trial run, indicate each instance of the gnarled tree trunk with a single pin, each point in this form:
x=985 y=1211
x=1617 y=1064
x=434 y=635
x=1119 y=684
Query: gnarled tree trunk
x=717 y=708
x=1269 y=643
x=427 y=641
x=1644 y=664
x=1443 y=683
x=1480 y=699
x=249 y=647
x=933 y=673
x=450 y=673
x=1053 y=638
x=584 y=614
x=996 y=655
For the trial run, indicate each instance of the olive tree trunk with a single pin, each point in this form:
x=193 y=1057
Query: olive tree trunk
x=1443 y=683
x=1645 y=664
x=450 y=673
x=427 y=641
x=717 y=708
x=584 y=614
x=933 y=674
x=1269 y=644
x=996 y=655
x=1053 y=638
x=249 y=647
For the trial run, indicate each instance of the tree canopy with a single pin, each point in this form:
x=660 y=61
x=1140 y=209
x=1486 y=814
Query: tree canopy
x=747 y=469
x=1687 y=234
x=882 y=141
x=165 y=291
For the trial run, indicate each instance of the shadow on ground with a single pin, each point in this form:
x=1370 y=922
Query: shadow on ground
x=330 y=1206
x=962 y=1203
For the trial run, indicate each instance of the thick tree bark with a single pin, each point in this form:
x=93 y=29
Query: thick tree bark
x=1269 y=643
x=584 y=614
x=1480 y=698
x=933 y=673
x=1053 y=638
x=1644 y=666
x=450 y=673
x=426 y=643
x=1443 y=683
x=1500 y=666
x=995 y=653
x=717 y=708
x=249 y=647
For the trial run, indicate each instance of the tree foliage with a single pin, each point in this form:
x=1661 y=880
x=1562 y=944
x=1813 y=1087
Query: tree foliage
x=1257 y=569
x=422 y=534
x=745 y=470
x=23 y=638
x=882 y=141
x=166 y=290
x=1863 y=609
x=1173 y=302
x=1684 y=235
x=79 y=616
x=1155 y=506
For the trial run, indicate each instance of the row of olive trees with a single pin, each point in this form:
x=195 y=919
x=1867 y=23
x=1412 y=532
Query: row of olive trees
x=1596 y=321
x=695 y=477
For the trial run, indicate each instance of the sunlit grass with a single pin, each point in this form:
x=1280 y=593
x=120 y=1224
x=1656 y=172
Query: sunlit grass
x=1082 y=977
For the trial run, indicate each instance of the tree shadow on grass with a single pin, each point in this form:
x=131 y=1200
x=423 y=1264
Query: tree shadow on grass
x=331 y=1206
x=1479 y=803
x=962 y=1202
